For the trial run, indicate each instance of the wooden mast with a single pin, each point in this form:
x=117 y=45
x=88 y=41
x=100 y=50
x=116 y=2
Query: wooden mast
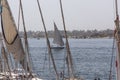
x=117 y=36
x=48 y=43
x=69 y=57
x=28 y=65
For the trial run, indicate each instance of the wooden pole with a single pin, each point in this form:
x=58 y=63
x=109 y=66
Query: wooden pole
x=67 y=43
x=28 y=67
x=117 y=36
x=47 y=40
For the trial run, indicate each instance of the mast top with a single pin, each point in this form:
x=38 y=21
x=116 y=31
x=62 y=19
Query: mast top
x=116 y=7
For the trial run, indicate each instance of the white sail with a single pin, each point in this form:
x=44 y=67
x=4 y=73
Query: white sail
x=57 y=37
x=10 y=33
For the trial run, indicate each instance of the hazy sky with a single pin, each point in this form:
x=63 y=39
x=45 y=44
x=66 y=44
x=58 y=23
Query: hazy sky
x=79 y=14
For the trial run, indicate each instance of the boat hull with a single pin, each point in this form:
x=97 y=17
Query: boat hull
x=15 y=76
x=61 y=47
x=74 y=79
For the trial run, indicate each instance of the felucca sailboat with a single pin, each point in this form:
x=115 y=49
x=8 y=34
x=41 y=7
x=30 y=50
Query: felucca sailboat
x=58 y=42
x=14 y=45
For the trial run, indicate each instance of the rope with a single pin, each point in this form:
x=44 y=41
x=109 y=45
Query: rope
x=64 y=63
x=19 y=18
x=44 y=60
x=111 y=63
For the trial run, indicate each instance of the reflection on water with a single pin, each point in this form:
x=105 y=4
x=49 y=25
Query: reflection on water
x=91 y=58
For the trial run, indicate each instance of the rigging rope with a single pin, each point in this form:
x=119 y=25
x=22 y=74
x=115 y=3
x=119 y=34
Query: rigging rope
x=64 y=64
x=45 y=59
x=19 y=18
x=111 y=62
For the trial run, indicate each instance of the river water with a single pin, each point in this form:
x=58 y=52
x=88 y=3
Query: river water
x=91 y=58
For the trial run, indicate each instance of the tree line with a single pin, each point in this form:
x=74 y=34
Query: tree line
x=73 y=34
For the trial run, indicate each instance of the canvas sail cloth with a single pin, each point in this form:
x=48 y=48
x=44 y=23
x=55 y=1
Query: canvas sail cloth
x=117 y=36
x=10 y=33
x=5 y=58
x=57 y=37
x=1 y=66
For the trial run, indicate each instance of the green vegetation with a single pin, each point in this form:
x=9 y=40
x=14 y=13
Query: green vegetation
x=73 y=34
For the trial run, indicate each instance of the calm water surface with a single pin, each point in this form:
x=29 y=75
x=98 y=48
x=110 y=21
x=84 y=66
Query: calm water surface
x=91 y=58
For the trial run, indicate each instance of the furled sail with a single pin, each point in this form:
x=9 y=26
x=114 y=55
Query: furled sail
x=10 y=33
x=117 y=36
x=118 y=46
x=57 y=37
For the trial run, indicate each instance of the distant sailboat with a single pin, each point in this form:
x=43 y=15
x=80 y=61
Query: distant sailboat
x=57 y=40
